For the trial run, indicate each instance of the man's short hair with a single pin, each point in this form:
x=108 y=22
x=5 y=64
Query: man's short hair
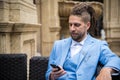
x=87 y=13
x=82 y=11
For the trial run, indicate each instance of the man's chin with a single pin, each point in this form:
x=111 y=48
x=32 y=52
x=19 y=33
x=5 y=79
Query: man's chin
x=74 y=38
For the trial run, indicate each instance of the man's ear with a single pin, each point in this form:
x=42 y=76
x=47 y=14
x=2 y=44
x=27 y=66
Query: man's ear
x=88 y=25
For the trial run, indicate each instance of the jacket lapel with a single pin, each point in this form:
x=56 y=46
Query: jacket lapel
x=65 y=49
x=85 y=48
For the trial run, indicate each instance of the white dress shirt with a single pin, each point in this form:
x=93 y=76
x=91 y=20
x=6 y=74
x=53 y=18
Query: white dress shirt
x=76 y=46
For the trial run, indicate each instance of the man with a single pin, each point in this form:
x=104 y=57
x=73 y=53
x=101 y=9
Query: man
x=78 y=56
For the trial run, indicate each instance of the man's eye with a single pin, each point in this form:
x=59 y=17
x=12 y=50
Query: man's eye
x=77 y=24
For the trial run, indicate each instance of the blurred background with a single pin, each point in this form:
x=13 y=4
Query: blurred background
x=32 y=26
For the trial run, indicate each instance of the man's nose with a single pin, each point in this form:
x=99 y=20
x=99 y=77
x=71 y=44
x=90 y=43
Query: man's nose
x=72 y=27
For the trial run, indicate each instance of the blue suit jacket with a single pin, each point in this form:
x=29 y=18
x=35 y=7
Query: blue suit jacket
x=93 y=51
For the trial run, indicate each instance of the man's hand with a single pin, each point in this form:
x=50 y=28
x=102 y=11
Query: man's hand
x=55 y=74
x=105 y=74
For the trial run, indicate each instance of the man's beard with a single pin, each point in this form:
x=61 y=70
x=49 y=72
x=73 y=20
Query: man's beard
x=77 y=37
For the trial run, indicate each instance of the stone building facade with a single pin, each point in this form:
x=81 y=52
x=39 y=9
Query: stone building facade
x=54 y=14
x=112 y=24
x=32 y=26
x=18 y=27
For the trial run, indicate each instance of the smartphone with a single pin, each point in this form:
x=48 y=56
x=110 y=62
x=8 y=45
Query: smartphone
x=55 y=66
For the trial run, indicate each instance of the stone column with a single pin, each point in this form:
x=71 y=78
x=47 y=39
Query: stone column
x=112 y=24
x=50 y=25
x=18 y=22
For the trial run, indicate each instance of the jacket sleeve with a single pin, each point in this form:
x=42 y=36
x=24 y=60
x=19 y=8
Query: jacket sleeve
x=51 y=60
x=108 y=58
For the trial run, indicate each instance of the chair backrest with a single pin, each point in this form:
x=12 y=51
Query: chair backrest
x=13 y=67
x=38 y=68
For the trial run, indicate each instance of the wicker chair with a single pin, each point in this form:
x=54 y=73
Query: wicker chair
x=13 y=67
x=38 y=67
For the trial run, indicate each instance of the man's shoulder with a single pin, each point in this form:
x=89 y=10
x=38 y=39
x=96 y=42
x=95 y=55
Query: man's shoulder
x=63 y=40
x=99 y=41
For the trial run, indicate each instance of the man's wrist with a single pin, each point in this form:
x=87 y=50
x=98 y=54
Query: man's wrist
x=110 y=70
